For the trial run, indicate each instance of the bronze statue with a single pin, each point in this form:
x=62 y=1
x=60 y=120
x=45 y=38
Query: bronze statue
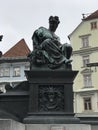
x=47 y=47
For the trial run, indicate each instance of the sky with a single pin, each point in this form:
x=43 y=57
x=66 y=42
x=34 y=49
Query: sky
x=20 y=18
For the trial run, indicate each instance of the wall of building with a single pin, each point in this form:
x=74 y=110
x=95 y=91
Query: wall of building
x=12 y=79
x=80 y=91
x=83 y=29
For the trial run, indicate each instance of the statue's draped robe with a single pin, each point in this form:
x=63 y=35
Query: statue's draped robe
x=47 y=45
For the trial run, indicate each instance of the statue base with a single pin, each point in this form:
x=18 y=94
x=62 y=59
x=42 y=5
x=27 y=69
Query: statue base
x=9 y=124
x=51 y=119
x=50 y=97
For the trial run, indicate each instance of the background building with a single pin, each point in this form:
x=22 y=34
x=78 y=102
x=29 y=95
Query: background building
x=84 y=40
x=12 y=65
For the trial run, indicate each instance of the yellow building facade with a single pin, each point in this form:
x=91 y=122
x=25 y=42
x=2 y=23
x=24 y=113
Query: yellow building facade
x=84 y=40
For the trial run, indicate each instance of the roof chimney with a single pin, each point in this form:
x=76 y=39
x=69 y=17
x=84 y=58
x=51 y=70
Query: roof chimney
x=83 y=15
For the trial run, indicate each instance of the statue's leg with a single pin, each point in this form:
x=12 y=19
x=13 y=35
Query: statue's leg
x=50 y=47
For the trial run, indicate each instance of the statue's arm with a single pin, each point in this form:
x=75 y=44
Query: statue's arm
x=35 y=40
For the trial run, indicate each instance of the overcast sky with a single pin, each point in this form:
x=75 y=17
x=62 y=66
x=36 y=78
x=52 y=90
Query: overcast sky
x=20 y=18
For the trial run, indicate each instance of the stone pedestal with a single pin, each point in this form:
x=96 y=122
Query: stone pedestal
x=50 y=97
x=58 y=127
x=8 y=124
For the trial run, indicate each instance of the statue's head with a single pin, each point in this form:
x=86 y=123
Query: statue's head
x=54 y=19
x=53 y=23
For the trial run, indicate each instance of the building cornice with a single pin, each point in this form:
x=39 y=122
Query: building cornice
x=86 y=90
x=13 y=59
x=83 y=51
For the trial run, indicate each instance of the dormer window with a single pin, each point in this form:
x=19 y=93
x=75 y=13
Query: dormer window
x=93 y=25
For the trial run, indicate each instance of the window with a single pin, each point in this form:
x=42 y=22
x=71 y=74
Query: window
x=85 y=41
x=93 y=25
x=4 y=72
x=87 y=103
x=87 y=80
x=16 y=71
x=85 y=60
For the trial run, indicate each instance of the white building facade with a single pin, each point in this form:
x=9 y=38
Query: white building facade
x=84 y=40
x=13 y=65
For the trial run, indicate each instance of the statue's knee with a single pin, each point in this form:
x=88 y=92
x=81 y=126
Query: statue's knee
x=67 y=46
x=45 y=42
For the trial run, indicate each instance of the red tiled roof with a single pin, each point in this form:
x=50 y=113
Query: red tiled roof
x=20 y=49
x=92 y=16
